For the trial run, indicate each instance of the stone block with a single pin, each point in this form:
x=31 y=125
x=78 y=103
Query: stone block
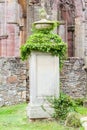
x=2 y=12
x=38 y=111
x=12 y=29
x=10 y=47
x=12 y=79
x=3 y=47
x=24 y=95
x=2 y=29
x=1 y=102
x=12 y=8
x=44 y=82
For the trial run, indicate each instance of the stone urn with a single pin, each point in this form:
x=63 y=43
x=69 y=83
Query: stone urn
x=44 y=24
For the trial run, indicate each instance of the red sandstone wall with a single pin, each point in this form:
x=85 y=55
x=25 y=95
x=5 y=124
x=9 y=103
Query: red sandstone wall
x=10 y=17
x=11 y=37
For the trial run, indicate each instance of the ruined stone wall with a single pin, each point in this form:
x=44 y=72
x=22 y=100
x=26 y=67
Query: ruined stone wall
x=12 y=81
x=10 y=33
x=73 y=77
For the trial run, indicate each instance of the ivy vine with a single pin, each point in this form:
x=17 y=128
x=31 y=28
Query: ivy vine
x=44 y=41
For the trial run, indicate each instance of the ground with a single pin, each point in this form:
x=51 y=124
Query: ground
x=14 y=118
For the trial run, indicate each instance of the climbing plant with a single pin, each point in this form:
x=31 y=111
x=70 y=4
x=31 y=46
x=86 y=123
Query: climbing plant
x=44 y=40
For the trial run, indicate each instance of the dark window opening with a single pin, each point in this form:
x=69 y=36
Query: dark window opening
x=66 y=13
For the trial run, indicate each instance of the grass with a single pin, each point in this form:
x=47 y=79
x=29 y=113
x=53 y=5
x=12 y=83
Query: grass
x=82 y=110
x=14 y=118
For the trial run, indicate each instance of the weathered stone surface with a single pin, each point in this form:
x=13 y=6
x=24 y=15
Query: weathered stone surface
x=73 y=77
x=84 y=122
x=10 y=27
x=12 y=81
x=1 y=102
x=44 y=82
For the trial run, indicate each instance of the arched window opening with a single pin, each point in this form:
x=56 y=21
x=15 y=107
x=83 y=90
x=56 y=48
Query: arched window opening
x=66 y=14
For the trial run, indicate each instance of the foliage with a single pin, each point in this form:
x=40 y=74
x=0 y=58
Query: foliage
x=79 y=101
x=62 y=106
x=44 y=41
x=73 y=120
x=82 y=110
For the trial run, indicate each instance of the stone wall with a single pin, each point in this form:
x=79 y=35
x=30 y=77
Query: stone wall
x=73 y=77
x=12 y=81
x=10 y=28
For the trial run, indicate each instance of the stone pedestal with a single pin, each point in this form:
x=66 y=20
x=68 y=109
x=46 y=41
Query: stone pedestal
x=44 y=82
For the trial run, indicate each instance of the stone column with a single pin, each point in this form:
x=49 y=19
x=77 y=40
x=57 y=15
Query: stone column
x=62 y=31
x=79 y=37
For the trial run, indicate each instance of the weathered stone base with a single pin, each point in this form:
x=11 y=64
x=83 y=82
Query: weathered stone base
x=39 y=111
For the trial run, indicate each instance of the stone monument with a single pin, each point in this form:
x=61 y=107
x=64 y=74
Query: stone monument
x=44 y=78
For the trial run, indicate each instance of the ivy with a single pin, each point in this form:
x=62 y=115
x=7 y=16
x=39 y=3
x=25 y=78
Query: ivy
x=44 y=41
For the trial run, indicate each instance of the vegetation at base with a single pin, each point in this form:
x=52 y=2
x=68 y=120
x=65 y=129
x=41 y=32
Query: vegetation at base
x=73 y=120
x=15 y=118
x=62 y=106
x=67 y=109
x=81 y=110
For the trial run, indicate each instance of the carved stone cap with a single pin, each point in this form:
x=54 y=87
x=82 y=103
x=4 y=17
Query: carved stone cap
x=43 y=24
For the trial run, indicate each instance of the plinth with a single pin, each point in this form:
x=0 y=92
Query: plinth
x=44 y=83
